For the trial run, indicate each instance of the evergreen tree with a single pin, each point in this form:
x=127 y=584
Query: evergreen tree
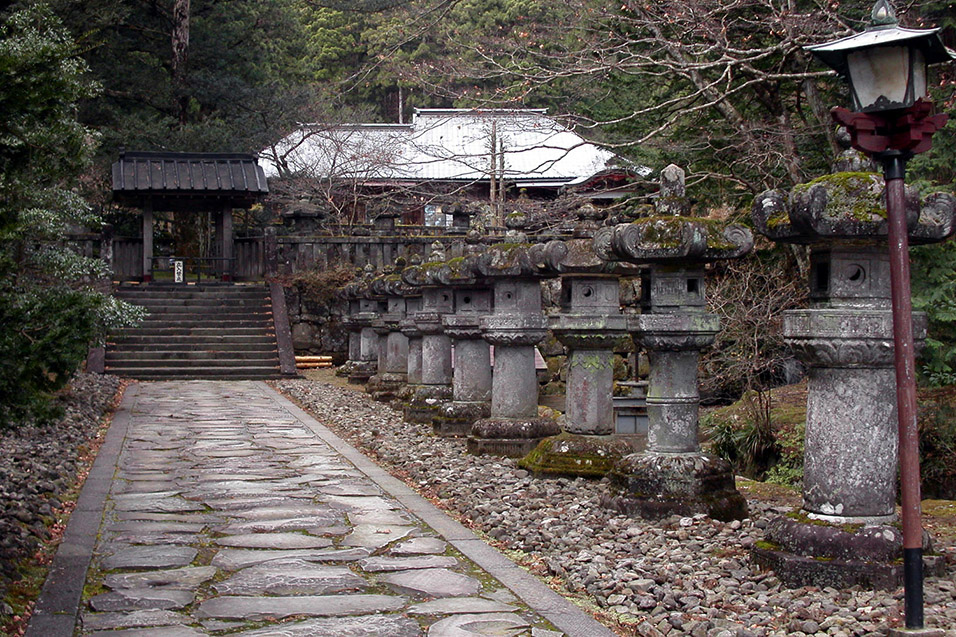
x=48 y=316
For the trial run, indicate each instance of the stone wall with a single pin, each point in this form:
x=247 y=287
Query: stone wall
x=317 y=324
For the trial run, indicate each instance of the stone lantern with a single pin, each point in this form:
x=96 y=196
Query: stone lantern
x=393 y=364
x=369 y=310
x=436 y=371
x=471 y=381
x=591 y=326
x=516 y=325
x=673 y=476
x=352 y=292
x=845 y=533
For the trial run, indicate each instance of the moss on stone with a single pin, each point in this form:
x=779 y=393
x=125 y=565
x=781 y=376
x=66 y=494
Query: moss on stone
x=573 y=455
x=851 y=196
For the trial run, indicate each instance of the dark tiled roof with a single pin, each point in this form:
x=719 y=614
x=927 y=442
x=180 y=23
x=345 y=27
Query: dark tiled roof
x=188 y=178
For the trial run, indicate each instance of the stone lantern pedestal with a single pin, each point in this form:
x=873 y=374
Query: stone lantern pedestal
x=471 y=383
x=435 y=388
x=516 y=326
x=673 y=476
x=844 y=534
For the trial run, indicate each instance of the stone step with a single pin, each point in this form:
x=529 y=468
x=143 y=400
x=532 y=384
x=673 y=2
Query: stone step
x=193 y=291
x=128 y=355
x=199 y=373
x=202 y=305
x=211 y=330
x=257 y=321
x=196 y=341
x=188 y=363
x=164 y=332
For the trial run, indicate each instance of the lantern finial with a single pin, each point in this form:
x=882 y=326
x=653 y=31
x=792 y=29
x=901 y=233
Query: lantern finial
x=883 y=15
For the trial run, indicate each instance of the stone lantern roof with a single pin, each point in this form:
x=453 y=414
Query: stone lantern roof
x=849 y=206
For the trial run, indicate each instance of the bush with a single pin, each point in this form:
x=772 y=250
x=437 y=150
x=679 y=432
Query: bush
x=321 y=286
x=937 y=431
x=788 y=471
x=45 y=337
x=934 y=292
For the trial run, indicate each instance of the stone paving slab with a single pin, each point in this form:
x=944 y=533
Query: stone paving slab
x=227 y=507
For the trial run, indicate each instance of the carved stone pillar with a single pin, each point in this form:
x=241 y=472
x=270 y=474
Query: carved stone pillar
x=435 y=386
x=393 y=344
x=843 y=535
x=369 y=311
x=355 y=342
x=590 y=325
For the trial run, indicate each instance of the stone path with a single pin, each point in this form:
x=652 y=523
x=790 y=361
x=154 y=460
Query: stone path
x=227 y=510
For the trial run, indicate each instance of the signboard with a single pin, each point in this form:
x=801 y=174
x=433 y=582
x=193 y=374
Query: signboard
x=178 y=271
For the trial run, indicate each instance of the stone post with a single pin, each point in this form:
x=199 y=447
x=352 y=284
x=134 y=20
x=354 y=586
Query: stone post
x=673 y=476
x=409 y=329
x=590 y=325
x=843 y=535
x=435 y=386
x=471 y=382
x=393 y=369
x=369 y=311
x=270 y=252
x=514 y=328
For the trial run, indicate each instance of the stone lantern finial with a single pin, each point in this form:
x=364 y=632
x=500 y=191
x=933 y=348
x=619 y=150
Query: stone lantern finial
x=672 y=197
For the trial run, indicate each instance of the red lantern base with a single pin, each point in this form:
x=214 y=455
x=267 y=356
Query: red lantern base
x=908 y=130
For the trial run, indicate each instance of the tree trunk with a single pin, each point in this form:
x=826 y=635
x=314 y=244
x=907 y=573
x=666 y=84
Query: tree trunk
x=180 y=40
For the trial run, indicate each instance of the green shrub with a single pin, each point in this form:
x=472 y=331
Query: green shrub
x=45 y=336
x=933 y=272
x=788 y=471
x=937 y=431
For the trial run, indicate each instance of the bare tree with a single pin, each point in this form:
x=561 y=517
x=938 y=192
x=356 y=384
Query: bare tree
x=721 y=85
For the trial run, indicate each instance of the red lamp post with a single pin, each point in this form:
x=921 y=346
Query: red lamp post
x=892 y=120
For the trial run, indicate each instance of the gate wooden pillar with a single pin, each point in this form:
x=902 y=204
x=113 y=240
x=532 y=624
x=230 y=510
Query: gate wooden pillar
x=148 y=241
x=226 y=243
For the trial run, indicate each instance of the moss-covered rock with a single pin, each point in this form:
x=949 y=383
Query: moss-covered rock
x=574 y=455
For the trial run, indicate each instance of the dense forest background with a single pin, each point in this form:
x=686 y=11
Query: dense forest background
x=722 y=88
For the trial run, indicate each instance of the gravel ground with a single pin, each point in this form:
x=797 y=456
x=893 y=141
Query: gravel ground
x=680 y=576
x=39 y=464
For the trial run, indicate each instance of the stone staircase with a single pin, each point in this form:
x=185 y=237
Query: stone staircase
x=211 y=331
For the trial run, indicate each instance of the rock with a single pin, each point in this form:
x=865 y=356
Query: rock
x=259 y=608
x=433 y=582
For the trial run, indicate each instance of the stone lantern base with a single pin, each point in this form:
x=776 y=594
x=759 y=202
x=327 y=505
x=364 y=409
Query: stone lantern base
x=361 y=371
x=345 y=369
x=509 y=437
x=457 y=417
x=423 y=406
x=574 y=455
x=386 y=387
x=807 y=552
x=657 y=485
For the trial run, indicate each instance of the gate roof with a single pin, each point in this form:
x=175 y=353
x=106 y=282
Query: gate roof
x=188 y=181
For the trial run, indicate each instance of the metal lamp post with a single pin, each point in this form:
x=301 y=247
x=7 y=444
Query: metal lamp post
x=892 y=120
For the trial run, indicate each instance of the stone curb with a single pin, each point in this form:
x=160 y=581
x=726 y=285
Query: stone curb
x=57 y=607
x=559 y=611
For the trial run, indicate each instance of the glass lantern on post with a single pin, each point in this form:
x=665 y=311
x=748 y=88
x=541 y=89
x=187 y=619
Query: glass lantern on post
x=892 y=120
